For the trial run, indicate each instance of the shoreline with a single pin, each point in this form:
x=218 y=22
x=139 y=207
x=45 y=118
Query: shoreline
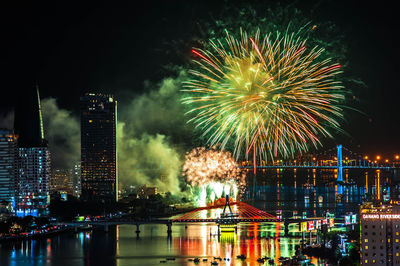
x=43 y=235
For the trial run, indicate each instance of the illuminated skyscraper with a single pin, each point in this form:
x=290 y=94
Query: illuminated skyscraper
x=32 y=186
x=8 y=165
x=33 y=190
x=99 y=173
x=380 y=234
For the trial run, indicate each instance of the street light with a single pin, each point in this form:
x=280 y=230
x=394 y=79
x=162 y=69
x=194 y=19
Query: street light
x=378 y=157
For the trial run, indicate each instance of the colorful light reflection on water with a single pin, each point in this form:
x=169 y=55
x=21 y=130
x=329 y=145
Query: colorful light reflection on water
x=120 y=247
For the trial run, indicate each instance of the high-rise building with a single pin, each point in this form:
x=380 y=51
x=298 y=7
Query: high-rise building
x=99 y=172
x=76 y=177
x=33 y=195
x=380 y=234
x=8 y=165
x=32 y=185
x=62 y=181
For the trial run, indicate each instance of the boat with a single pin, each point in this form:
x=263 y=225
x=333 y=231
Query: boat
x=241 y=256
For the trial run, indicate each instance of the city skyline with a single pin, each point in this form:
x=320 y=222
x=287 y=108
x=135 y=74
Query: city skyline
x=371 y=129
x=196 y=132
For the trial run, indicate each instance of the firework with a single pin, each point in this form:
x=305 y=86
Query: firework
x=214 y=172
x=203 y=166
x=270 y=96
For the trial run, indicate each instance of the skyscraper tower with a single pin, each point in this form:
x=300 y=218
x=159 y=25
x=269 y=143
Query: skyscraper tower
x=99 y=169
x=8 y=165
x=32 y=186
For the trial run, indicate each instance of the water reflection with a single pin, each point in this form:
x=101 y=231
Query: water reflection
x=121 y=247
x=310 y=191
x=315 y=190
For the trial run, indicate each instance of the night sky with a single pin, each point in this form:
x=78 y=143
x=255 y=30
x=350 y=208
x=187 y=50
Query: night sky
x=69 y=49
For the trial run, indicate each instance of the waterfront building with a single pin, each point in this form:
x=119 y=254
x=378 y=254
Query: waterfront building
x=33 y=194
x=99 y=175
x=32 y=184
x=8 y=165
x=62 y=181
x=380 y=234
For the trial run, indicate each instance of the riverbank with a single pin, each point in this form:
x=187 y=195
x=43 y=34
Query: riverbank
x=44 y=233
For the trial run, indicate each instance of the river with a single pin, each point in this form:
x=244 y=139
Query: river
x=311 y=191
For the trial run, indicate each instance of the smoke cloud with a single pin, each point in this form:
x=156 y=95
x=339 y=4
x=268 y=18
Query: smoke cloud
x=62 y=131
x=158 y=112
x=149 y=160
x=152 y=135
x=7 y=120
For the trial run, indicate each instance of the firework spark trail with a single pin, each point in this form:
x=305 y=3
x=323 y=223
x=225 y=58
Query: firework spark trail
x=205 y=166
x=272 y=95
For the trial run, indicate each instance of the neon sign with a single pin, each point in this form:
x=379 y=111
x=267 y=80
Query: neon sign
x=381 y=216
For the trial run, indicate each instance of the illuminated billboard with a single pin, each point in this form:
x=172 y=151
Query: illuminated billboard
x=381 y=216
x=331 y=222
x=318 y=224
x=354 y=219
x=310 y=225
x=303 y=226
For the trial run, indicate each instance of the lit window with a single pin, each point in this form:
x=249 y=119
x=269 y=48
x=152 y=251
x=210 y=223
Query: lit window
x=366 y=261
x=397 y=254
x=366 y=240
x=397 y=233
x=397 y=240
x=366 y=247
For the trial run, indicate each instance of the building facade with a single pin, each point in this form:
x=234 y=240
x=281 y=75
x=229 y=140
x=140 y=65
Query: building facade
x=62 y=181
x=8 y=165
x=76 y=176
x=380 y=234
x=32 y=185
x=33 y=190
x=99 y=169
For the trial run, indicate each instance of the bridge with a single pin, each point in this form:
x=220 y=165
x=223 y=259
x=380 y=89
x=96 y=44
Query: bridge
x=339 y=164
x=212 y=213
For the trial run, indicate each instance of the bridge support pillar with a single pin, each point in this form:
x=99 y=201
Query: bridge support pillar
x=137 y=230
x=286 y=225
x=106 y=228
x=169 y=230
x=76 y=229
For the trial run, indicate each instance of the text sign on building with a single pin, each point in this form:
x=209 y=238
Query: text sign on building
x=381 y=216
